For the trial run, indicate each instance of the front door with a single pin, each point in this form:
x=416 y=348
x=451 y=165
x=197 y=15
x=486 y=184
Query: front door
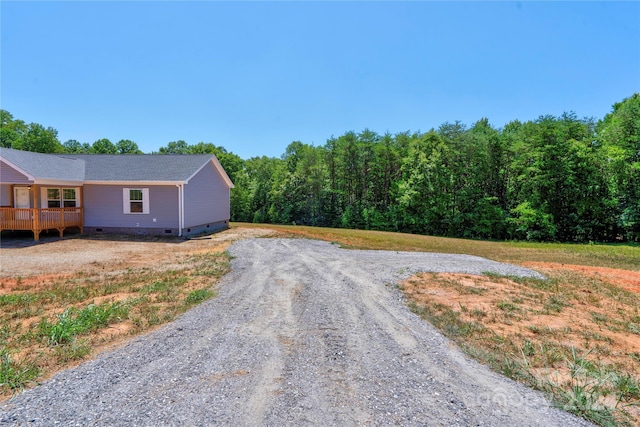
x=22 y=199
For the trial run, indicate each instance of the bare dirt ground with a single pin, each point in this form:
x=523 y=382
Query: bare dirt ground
x=576 y=320
x=629 y=280
x=24 y=262
x=301 y=333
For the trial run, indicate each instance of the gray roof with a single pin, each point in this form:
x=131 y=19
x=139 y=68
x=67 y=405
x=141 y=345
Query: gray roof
x=45 y=166
x=142 y=167
x=112 y=167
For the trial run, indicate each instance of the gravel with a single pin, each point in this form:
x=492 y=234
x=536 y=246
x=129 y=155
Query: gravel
x=301 y=333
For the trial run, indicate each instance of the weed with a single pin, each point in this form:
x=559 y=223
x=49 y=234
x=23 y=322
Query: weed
x=197 y=296
x=73 y=350
x=165 y=285
x=16 y=300
x=72 y=321
x=555 y=304
x=474 y=290
x=150 y=313
x=478 y=313
x=591 y=335
x=633 y=327
x=508 y=307
x=528 y=349
x=627 y=388
x=14 y=376
x=587 y=388
x=599 y=318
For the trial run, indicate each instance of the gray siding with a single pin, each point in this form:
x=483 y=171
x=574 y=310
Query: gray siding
x=206 y=198
x=9 y=174
x=103 y=207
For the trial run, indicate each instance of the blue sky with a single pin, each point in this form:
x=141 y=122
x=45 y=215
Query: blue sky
x=255 y=76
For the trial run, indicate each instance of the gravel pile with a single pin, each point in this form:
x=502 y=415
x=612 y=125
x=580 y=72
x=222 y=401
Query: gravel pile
x=302 y=333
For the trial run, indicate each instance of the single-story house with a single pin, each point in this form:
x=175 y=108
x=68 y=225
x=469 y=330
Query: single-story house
x=113 y=193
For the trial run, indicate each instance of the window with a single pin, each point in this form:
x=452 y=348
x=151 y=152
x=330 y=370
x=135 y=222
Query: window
x=53 y=197
x=60 y=197
x=69 y=197
x=135 y=200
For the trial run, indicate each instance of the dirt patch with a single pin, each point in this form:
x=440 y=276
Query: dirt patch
x=514 y=310
x=582 y=313
x=58 y=259
x=628 y=279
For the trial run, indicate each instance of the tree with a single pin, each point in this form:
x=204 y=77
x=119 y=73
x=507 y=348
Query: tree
x=74 y=147
x=103 y=146
x=175 y=147
x=619 y=134
x=11 y=131
x=424 y=194
x=41 y=140
x=126 y=146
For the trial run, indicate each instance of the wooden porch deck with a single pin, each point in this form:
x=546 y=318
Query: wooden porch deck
x=38 y=220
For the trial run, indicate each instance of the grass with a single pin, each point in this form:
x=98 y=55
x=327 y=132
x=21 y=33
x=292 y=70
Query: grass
x=63 y=322
x=73 y=321
x=16 y=374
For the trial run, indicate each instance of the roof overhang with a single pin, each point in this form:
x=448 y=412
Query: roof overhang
x=134 y=183
x=19 y=169
x=58 y=182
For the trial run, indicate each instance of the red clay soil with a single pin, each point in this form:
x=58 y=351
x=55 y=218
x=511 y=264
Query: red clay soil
x=627 y=279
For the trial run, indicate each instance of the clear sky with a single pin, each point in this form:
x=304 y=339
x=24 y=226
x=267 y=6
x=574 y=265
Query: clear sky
x=255 y=76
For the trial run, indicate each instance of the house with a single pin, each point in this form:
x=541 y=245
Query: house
x=103 y=193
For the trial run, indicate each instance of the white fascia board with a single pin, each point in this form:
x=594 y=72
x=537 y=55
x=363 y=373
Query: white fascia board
x=19 y=169
x=134 y=183
x=219 y=168
x=59 y=182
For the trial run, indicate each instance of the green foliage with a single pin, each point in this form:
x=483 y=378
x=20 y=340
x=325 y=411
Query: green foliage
x=73 y=350
x=197 y=296
x=619 y=135
x=551 y=179
x=589 y=383
x=15 y=375
x=73 y=322
x=103 y=146
x=75 y=147
x=528 y=223
x=126 y=146
x=18 y=135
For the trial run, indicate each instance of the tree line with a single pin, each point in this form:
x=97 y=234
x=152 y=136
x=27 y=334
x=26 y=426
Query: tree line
x=559 y=178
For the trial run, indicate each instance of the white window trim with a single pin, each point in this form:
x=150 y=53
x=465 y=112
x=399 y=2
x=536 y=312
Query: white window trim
x=126 y=201
x=44 y=196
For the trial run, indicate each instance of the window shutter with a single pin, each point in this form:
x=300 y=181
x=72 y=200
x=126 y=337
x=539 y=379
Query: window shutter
x=145 y=200
x=126 y=206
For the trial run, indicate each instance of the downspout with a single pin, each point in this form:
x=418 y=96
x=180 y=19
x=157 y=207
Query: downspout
x=180 y=209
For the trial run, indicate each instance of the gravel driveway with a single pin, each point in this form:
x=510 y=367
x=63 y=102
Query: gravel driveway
x=302 y=333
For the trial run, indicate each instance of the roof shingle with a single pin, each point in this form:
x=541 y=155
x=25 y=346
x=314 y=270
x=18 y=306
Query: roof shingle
x=177 y=168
